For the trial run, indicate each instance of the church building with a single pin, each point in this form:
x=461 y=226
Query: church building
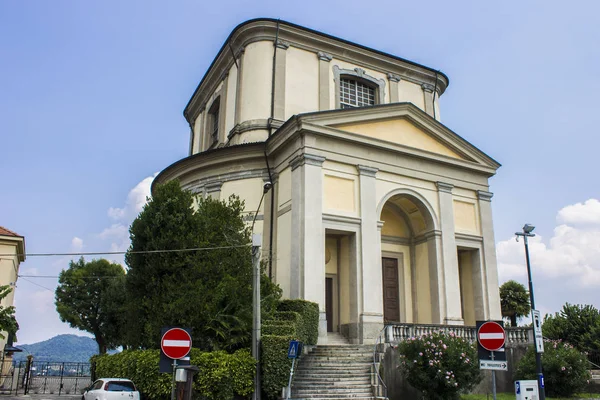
x=376 y=211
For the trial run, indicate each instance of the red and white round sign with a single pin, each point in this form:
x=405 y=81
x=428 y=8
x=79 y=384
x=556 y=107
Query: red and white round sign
x=176 y=343
x=491 y=336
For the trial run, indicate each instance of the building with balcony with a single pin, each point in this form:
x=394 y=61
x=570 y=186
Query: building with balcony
x=377 y=212
x=12 y=250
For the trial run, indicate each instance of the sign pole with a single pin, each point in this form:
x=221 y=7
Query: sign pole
x=173 y=381
x=493 y=379
x=256 y=243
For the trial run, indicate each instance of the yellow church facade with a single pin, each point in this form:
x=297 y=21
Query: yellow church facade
x=376 y=211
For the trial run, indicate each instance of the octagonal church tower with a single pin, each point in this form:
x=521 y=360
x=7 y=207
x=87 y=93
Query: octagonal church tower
x=377 y=211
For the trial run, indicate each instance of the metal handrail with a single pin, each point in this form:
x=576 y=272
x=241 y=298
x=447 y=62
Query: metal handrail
x=379 y=378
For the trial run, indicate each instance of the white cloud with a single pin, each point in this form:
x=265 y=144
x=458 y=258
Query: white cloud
x=567 y=265
x=136 y=199
x=76 y=244
x=585 y=214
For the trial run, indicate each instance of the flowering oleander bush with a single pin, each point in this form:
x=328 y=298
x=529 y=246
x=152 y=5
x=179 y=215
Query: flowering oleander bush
x=566 y=369
x=440 y=365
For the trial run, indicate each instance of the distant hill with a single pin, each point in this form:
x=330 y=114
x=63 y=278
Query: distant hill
x=61 y=348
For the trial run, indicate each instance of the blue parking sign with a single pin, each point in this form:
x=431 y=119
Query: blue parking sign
x=293 y=349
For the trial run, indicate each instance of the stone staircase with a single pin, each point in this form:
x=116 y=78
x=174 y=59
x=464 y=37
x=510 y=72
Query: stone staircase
x=337 y=371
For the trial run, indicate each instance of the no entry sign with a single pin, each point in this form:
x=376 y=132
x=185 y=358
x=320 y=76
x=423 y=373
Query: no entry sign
x=491 y=336
x=176 y=343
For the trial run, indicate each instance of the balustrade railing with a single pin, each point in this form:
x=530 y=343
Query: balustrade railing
x=399 y=332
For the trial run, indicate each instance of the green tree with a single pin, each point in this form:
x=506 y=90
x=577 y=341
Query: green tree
x=209 y=289
x=514 y=301
x=8 y=322
x=90 y=296
x=576 y=324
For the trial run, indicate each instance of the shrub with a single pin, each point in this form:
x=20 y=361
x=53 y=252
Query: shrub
x=440 y=365
x=308 y=326
x=275 y=364
x=221 y=375
x=279 y=328
x=565 y=368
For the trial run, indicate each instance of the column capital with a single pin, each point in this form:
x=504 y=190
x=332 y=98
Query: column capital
x=324 y=56
x=213 y=186
x=393 y=77
x=282 y=45
x=444 y=187
x=485 y=196
x=363 y=170
x=380 y=225
x=309 y=159
x=427 y=88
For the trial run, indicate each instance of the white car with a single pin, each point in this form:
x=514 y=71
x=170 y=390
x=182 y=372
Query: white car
x=111 y=389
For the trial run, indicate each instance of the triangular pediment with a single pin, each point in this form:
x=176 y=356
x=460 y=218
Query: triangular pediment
x=401 y=131
x=402 y=126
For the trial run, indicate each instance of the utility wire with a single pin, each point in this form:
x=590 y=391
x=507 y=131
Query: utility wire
x=36 y=284
x=100 y=253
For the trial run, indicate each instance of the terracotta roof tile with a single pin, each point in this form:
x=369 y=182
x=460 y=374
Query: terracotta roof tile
x=7 y=232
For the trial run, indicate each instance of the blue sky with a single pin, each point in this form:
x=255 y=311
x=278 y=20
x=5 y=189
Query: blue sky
x=92 y=94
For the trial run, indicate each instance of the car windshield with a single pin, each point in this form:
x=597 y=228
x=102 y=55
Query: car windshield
x=121 y=386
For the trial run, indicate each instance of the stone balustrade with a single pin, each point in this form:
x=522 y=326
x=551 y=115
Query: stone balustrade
x=395 y=333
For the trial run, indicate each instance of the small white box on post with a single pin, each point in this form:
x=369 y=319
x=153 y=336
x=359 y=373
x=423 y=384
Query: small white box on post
x=527 y=390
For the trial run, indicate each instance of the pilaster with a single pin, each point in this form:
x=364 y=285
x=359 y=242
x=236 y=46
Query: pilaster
x=307 y=275
x=371 y=313
x=324 y=81
x=238 y=91
x=279 y=84
x=394 y=90
x=213 y=190
x=451 y=279
x=488 y=263
x=428 y=96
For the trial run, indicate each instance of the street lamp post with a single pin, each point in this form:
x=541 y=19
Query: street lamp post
x=527 y=229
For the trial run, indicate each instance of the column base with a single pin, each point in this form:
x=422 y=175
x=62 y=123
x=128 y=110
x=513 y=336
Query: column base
x=370 y=327
x=454 y=321
x=322 y=328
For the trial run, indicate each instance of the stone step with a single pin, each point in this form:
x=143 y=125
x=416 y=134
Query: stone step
x=329 y=373
x=329 y=390
x=332 y=365
x=334 y=397
x=331 y=378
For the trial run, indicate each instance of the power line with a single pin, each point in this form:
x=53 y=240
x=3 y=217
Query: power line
x=36 y=284
x=100 y=253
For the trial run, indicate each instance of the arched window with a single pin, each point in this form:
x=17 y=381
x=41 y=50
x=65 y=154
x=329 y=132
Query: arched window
x=357 y=89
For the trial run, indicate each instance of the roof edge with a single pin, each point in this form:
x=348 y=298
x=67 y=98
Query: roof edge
x=313 y=31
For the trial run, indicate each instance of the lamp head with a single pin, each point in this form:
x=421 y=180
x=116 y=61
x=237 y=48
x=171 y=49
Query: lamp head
x=528 y=228
x=267 y=186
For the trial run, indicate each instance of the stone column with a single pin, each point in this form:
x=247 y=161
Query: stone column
x=279 y=84
x=324 y=81
x=428 y=96
x=394 y=91
x=451 y=280
x=488 y=263
x=307 y=269
x=371 y=315
x=213 y=190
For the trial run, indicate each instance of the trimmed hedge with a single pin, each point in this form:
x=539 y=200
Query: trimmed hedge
x=294 y=320
x=279 y=328
x=221 y=375
x=308 y=326
x=275 y=366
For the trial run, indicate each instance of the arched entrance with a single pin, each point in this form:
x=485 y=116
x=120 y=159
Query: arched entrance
x=408 y=259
